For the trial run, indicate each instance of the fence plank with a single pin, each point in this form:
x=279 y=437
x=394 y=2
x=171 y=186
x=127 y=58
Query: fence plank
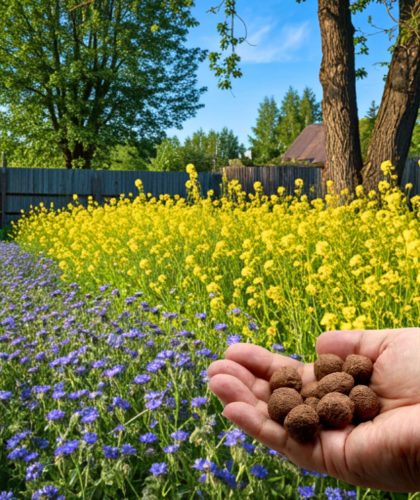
x=3 y=194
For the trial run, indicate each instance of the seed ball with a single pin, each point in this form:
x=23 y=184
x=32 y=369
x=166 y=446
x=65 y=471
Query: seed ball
x=326 y=364
x=359 y=367
x=286 y=376
x=335 y=410
x=281 y=402
x=366 y=403
x=312 y=402
x=335 y=382
x=310 y=390
x=302 y=423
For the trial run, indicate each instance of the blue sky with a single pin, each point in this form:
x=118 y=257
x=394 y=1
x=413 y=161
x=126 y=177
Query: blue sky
x=284 y=50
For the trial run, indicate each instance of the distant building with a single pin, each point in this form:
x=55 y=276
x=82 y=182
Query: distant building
x=309 y=146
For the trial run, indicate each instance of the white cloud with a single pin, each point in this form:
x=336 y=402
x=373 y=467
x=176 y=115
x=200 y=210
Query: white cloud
x=269 y=43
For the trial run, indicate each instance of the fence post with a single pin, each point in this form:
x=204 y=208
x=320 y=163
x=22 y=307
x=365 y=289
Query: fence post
x=3 y=192
x=96 y=188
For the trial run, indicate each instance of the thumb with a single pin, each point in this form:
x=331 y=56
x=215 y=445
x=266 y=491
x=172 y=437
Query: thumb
x=369 y=343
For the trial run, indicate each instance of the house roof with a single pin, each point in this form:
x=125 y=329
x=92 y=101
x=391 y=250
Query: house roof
x=309 y=145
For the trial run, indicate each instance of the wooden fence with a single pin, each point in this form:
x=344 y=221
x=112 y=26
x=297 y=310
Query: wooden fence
x=273 y=177
x=22 y=187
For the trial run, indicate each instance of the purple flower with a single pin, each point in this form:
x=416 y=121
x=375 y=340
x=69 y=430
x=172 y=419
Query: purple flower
x=306 y=491
x=233 y=437
x=180 y=435
x=112 y=372
x=278 y=347
x=55 y=415
x=16 y=439
x=5 y=395
x=111 y=452
x=202 y=464
x=7 y=495
x=18 y=453
x=34 y=471
x=252 y=326
x=259 y=471
x=49 y=492
x=198 y=401
x=31 y=456
x=88 y=415
x=141 y=379
x=119 y=402
x=159 y=468
x=201 y=316
x=149 y=437
x=41 y=443
x=172 y=448
x=233 y=339
x=220 y=327
x=128 y=449
x=41 y=389
x=90 y=437
x=333 y=493
x=67 y=448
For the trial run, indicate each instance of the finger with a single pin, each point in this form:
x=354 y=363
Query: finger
x=263 y=363
x=273 y=435
x=229 y=389
x=259 y=387
x=369 y=343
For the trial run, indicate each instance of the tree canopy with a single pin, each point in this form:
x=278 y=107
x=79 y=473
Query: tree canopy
x=76 y=80
x=207 y=151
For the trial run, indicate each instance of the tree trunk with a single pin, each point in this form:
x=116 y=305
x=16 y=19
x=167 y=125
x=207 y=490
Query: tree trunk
x=79 y=156
x=339 y=107
x=397 y=114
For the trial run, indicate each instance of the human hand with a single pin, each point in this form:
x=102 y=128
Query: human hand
x=383 y=453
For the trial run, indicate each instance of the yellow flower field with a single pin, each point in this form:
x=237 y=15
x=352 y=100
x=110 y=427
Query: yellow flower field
x=296 y=267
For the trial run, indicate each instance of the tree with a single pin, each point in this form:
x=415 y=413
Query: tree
x=265 y=141
x=77 y=80
x=366 y=125
x=169 y=156
x=310 y=108
x=229 y=147
x=290 y=123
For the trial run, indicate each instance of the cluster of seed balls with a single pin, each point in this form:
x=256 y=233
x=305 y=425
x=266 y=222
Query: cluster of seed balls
x=340 y=396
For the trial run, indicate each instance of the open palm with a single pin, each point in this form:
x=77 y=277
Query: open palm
x=383 y=453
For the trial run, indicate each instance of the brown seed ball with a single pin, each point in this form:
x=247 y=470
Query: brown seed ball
x=359 y=367
x=366 y=403
x=302 y=423
x=281 y=402
x=326 y=364
x=335 y=382
x=335 y=410
x=312 y=402
x=310 y=390
x=286 y=376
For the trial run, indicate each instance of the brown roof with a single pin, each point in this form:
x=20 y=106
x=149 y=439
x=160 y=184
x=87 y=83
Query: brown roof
x=309 y=145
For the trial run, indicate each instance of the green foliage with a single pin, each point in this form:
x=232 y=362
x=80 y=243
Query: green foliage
x=127 y=157
x=77 y=79
x=226 y=68
x=415 y=139
x=265 y=141
x=169 y=156
x=366 y=125
x=206 y=151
